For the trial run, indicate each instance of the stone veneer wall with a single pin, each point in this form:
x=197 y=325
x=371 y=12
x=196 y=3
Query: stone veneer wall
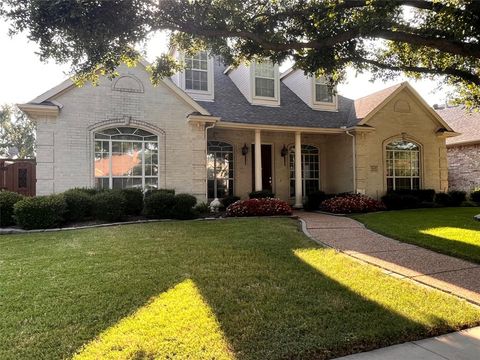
x=464 y=167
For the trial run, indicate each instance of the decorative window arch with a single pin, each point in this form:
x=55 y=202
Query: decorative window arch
x=126 y=157
x=403 y=165
x=310 y=170
x=220 y=165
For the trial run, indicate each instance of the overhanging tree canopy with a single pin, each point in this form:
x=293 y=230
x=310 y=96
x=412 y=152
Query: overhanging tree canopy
x=419 y=38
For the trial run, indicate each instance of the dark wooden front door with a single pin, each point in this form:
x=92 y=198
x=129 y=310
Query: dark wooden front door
x=267 y=170
x=18 y=176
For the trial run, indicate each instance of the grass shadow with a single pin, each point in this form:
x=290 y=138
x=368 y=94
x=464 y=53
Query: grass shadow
x=60 y=291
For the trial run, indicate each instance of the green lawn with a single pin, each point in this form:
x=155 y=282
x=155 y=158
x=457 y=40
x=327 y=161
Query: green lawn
x=231 y=289
x=451 y=231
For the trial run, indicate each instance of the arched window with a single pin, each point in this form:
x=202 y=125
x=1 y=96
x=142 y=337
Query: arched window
x=310 y=170
x=126 y=157
x=403 y=165
x=219 y=169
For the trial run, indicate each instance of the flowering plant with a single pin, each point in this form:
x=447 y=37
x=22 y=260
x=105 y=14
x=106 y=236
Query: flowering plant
x=354 y=203
x=258 y=207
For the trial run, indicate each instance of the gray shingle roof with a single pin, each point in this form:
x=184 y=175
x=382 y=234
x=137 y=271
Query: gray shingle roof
x=230 y=105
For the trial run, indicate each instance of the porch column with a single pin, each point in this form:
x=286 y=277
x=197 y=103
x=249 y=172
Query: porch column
x=298 y=170
x=258 y=160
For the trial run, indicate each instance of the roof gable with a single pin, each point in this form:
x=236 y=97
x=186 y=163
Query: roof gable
x=366 y=107
x=69 y=84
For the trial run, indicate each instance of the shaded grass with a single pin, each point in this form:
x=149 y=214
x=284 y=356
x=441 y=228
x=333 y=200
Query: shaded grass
x=451 y=231
x=265 y=292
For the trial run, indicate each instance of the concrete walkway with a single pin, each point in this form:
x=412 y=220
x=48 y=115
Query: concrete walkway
x=443 y=272
x=462 y=345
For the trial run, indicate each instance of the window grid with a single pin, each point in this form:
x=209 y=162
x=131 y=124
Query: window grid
x=323 y=92
x=264 y=79
x=220 y=169
x=310 y=170
x=403 y=166
x=196 y=72
x=126 y=157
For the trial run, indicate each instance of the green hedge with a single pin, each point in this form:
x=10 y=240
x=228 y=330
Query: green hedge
x=134 y=199
x=475 y=196
x=40 y=212
x=183 y=207
x=110 y=205
x=7 y=200
x=159 y=204
x=79 y=205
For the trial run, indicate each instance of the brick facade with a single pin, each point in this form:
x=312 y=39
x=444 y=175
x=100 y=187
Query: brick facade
x=464 y=167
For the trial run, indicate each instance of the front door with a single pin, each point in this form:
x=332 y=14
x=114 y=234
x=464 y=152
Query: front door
x=267 y=169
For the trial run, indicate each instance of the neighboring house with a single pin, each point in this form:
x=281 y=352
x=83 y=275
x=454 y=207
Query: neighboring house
x=463 y=151
x=213 y=131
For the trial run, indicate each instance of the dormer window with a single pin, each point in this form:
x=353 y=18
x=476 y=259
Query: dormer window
x=197 y=78
x=323 y=92
x=265 y=83
x=196 y=72
x=264 y=80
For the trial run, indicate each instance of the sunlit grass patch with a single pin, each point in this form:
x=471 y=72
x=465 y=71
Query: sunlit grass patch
x=454 y=233
x=421 y=305
x=177 y=324
x=451 y=231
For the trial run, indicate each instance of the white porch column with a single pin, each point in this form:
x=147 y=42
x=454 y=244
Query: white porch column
x=298 y=170
x=258 y=160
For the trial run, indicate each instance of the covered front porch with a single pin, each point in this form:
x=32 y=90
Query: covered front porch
x=290 y=162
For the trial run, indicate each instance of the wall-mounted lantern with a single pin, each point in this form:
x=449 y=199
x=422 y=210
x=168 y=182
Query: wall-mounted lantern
x=284 y=153
x=245 y=152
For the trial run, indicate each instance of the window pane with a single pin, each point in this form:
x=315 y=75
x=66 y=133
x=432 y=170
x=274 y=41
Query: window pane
x=265 y=69
x=264 y=87
x=220 y=169
x=323 y=93
x=122 y=160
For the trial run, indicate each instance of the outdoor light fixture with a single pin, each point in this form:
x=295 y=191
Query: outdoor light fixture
x=245 y=152
x=284 y=153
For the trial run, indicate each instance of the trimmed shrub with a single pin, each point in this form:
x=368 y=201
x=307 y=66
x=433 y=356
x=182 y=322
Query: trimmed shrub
x=314 y=200
x=159 y=204
x=134 y=198
x=156 y=191
x=7 y=200
x=40 y=212
x=475 y=196
x=229 y=200
x=258 y=207
x=183 y=206
x=457 y=197
x=443 y=199
x=396 y=201
x=79 y=205
x=110 y=205
x=262 y=194
x=89 y=191
x=349 y=204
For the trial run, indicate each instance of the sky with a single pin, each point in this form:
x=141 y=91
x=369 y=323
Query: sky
x=23 y=76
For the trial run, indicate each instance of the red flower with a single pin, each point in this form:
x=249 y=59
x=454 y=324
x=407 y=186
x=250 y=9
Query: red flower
x=259 y=207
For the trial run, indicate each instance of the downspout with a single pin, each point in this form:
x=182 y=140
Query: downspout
x=354 y=159
x=206 y=157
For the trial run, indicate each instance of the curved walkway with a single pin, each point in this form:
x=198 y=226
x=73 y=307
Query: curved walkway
x=455 y=276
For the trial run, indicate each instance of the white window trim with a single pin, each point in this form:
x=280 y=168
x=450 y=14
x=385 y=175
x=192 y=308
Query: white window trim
x=110 y=177
x=320 y=105
x=233 y=168
x=292 y=148
x=265 y=100
x=421 y=174
x=201 y=95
